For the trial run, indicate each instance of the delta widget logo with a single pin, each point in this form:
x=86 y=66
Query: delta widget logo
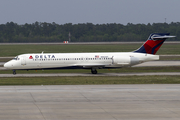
x=31 y=57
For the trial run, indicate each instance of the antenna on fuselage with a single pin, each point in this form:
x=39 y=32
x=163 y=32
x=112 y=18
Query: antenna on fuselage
x=42 y=52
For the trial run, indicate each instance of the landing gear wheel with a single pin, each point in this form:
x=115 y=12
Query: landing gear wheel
x=14 y=72
x=93 y=71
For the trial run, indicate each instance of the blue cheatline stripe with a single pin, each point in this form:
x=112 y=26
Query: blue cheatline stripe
x=153 y=49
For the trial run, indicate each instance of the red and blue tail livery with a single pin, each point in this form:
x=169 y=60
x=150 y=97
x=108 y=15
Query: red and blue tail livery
x=154 y=42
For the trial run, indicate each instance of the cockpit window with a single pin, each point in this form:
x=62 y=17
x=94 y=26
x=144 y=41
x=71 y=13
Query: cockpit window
x=16 y=58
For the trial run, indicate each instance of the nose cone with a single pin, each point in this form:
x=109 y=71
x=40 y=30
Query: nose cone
x=7 y=65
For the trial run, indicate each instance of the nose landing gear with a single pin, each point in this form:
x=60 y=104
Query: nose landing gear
x=93 y=71
x=14 y=72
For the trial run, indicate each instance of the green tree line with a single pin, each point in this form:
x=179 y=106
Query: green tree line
x=85 y=32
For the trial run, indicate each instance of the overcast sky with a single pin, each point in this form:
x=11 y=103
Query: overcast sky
x=92 y=11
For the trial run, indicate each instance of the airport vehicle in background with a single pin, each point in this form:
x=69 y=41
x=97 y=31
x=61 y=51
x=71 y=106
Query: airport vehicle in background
x=92 y=61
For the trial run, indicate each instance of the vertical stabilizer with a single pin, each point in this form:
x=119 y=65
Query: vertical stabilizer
x=154 y=42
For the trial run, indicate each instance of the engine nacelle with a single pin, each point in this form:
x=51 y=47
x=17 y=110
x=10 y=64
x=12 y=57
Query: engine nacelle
x=118 y=60
x=134 y=61
x=125 y=60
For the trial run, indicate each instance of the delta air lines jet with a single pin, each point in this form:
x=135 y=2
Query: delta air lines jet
x=92 y=61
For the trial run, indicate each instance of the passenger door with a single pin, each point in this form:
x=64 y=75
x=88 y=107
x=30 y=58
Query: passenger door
x=23 y=60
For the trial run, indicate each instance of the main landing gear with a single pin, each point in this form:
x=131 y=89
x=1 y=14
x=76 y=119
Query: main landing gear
x=14 y=72
x=93 y=71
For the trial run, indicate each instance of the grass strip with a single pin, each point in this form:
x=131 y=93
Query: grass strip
x=90 y=80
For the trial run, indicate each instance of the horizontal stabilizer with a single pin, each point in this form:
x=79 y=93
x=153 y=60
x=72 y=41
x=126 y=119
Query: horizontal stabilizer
x=162 y=37
x=157 y=36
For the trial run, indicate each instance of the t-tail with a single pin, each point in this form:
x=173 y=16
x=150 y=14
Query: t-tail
x=154 y=42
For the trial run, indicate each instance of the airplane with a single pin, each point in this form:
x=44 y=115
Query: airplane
x=92 y=61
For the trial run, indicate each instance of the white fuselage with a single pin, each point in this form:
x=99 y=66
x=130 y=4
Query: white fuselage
x=78 y=60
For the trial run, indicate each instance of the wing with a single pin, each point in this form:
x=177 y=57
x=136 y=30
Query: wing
x=86 y=66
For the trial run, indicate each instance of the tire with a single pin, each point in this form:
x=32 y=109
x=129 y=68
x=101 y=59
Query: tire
x=94 y=71
x=14 y=72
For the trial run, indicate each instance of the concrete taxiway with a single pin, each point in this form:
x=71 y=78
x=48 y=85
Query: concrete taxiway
x=89 y=74
x=90 y=102
x=158 y=64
